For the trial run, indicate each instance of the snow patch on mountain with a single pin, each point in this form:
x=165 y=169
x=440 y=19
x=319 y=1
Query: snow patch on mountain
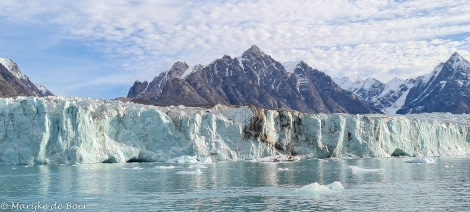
x=12 y=67
x=458 y=62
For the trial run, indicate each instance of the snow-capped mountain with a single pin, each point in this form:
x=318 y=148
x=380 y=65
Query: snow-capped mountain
x=446 y=89
x=386 y=97
x=14 y=83
x=253 y=78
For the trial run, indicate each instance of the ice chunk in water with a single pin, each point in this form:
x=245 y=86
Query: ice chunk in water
x=359 y=170
x=196 y=172
x=197 y=166
x=420 y=160
x=316 y=188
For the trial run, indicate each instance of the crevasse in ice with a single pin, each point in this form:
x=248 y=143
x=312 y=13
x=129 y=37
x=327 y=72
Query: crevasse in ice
x=83 y=130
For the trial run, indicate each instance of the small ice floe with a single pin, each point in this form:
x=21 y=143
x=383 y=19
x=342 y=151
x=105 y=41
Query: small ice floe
x=316 y=188
x=195 y=172
x=420 y=160
x=197 y=166
x=359 y=170
x=278 y=158
x=134 y=168
x=184 y=159
x=165 y=167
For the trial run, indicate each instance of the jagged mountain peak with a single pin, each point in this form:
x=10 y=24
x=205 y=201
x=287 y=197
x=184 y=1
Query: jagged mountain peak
x=178 y=64
x=301 y=64
x=7 y=63
x=394 y=80
x=457 y=61
x=14 y=83
x=456 y=56
x=177 y=69
x=303 y=68
x=445 y=89
x=254 y=78
x=12 y=67
x=255 y=48
x=254 y=52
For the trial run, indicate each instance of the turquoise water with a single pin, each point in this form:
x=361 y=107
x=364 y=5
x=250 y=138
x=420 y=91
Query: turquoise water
x=369 y=185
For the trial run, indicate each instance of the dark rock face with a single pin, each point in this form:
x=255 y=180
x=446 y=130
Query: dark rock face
x=317 y=88
x=151 y=91
x=13 y=83
x=137 y=88
x=255 y=78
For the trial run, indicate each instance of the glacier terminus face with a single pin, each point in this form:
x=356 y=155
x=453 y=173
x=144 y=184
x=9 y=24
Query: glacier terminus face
x=64 y=130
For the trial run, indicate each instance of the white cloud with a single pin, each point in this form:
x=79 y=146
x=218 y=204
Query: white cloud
x=382 y=39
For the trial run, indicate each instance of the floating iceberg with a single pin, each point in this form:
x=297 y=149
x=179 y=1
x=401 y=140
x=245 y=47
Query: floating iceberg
x=420 y=160
x=196 y=172
x=63 y=130
x=359 y=170
x=316 y=188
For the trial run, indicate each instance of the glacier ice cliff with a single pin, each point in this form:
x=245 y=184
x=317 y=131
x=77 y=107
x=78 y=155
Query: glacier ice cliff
x=62 y=130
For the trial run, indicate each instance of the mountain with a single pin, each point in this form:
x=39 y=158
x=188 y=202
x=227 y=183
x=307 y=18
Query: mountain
x=253 y=78
x=446 y=89
x=14 y=83
x=386 y=97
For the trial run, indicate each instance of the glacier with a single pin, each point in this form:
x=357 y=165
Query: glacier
x=69 y=130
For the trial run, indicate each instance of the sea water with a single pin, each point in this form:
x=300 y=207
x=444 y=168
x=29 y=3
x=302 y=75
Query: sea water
x=391 y=184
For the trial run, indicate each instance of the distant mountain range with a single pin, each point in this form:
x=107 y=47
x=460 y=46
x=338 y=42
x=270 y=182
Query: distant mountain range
x=256 y=78
x=14 y=83
x=445 y=89
x=253 y=78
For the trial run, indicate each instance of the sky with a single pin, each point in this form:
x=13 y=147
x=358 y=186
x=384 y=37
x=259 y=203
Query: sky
x=97 y=48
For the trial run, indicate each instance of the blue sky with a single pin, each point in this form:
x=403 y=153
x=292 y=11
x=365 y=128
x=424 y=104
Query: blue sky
x=98 y=49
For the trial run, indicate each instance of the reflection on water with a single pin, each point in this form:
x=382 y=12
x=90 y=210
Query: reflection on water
x=369 y=184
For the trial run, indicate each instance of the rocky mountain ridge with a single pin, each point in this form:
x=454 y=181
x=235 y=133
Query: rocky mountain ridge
x=445 y=89
x=13 y=83
x=253 y=78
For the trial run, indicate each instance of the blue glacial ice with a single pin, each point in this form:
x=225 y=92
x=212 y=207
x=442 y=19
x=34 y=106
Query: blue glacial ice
x=64 y=130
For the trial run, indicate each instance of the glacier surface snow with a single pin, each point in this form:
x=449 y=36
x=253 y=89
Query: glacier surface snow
x=63 y=130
